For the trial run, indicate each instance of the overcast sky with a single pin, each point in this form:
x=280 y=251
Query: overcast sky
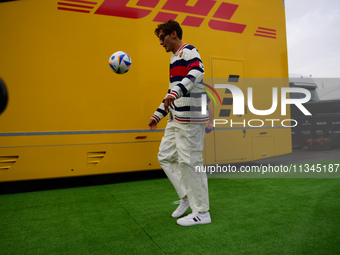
x=313 y=37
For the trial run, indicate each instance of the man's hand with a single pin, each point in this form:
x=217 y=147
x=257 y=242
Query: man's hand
x=152 y=124
x=169 y=103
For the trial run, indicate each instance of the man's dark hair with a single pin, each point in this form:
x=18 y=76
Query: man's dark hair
x=168 y=27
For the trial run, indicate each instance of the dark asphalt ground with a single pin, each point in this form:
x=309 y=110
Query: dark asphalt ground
x=302 y=156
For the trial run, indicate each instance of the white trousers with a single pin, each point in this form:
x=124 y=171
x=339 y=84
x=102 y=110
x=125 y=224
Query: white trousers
x=180 y=152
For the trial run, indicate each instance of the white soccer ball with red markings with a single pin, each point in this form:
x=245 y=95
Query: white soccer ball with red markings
x=120 y=62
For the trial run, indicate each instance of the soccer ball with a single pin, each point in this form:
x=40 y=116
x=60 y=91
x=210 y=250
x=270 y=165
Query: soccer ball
x=120 y=62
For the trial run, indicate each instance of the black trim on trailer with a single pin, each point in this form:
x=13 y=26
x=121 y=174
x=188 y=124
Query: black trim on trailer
x=3 y=96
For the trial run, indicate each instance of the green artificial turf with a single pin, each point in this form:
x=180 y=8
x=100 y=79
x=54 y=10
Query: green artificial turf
x=249 y=216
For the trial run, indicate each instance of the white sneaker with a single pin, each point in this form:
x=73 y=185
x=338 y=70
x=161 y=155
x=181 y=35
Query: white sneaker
x=181 y=209
x=195 y=218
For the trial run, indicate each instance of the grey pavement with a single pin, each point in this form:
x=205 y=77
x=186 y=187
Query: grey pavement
x=302 y=156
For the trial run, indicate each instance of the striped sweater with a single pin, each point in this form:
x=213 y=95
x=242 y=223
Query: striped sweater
x=186 y=86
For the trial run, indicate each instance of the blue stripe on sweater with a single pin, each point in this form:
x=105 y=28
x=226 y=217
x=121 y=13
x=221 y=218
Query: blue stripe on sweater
x=182 y=87
x=182 y=62
x=188 y=109
x=164 y=113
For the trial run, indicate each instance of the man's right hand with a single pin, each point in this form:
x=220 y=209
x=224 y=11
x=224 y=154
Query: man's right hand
x=169 y=103
x=152 y=124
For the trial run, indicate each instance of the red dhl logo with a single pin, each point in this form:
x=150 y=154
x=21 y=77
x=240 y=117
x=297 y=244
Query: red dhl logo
x=119 y=8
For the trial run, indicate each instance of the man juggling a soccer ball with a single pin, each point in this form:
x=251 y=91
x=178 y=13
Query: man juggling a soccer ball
x=181 y=148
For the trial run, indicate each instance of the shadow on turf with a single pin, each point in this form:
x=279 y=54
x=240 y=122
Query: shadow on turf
x=75 y=182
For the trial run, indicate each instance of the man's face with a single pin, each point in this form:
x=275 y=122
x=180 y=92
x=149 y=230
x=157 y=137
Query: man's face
x=166 y=41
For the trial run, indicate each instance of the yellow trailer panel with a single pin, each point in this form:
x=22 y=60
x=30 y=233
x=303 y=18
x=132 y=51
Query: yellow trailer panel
x=68 y=114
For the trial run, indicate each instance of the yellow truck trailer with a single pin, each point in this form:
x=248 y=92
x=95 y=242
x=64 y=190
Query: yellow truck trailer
x=67 y=114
